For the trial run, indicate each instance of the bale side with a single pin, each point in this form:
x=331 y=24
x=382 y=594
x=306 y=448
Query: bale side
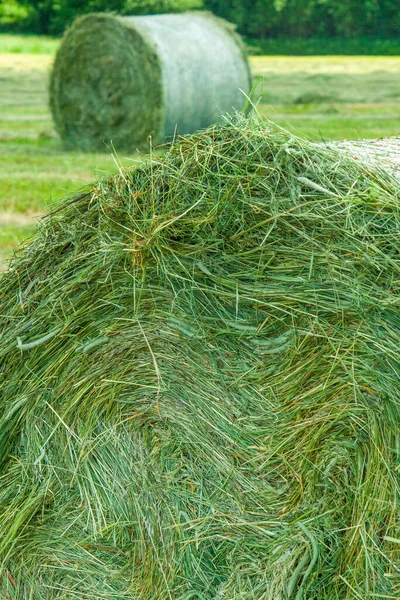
x=204 y=67
x=383 y=153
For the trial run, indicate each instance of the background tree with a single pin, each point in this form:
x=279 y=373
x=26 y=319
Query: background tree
x=257 y=18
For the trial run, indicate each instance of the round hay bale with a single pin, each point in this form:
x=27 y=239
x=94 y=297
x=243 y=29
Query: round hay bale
x=199 y=370
x=120 y=80
x=383 y=153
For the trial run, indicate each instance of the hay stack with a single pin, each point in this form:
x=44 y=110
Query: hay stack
x=200 y=381
x=123 y=79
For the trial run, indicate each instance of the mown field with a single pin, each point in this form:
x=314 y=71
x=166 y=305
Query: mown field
x=319 y=97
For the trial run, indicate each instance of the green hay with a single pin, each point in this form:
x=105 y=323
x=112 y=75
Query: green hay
x=121 y=80
x=200 y=381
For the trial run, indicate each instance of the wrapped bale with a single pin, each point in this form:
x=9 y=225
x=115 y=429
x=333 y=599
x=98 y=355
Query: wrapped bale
x=199 y=370
x=120 y=80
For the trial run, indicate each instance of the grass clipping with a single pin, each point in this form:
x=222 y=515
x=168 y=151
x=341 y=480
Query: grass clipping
x=200 y=381
x=121 y=80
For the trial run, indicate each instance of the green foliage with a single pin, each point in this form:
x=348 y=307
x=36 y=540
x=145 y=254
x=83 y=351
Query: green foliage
x=258 y=19
x=52 y=16
x=143 y=7
x=302 y=18
x=12 y=12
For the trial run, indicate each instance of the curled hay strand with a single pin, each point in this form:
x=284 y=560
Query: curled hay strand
x=122 y=80
x=200 y=381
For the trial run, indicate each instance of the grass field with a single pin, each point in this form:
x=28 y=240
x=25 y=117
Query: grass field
x=321 y=97
x=332 y=97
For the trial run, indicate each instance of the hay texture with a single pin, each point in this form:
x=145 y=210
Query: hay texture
x=383 y=152
x=120 y=80
x=200 y=396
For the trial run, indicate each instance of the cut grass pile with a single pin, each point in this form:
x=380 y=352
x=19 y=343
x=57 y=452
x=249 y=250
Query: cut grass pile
x=199 y=370
x=120 y=80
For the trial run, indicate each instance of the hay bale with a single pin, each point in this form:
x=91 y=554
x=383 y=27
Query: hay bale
x=383 y=153
x=123 y=79
x=200 y=391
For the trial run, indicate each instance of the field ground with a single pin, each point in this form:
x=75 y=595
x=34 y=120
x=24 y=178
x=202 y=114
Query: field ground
x=320 y=97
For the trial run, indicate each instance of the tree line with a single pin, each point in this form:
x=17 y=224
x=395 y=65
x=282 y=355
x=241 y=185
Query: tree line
x=255 y=18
